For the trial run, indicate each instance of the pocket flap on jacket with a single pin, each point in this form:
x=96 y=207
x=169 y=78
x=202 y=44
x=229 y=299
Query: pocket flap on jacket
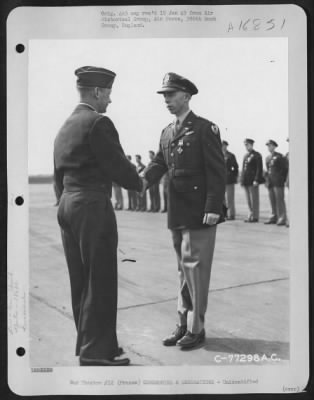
x=187 y=184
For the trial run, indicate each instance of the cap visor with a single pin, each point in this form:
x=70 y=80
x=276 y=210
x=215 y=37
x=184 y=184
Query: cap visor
x=168 y=89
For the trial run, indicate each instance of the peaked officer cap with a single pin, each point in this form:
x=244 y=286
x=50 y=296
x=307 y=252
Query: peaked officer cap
x=173 y=82
x=272 y=142
x=225 y=143
x=94 y=77
x=249 y=141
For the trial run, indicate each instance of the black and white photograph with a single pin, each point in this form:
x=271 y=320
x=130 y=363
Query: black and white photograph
x=161 y=183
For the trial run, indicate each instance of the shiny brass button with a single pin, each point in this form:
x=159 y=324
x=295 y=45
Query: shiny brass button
x=195 y=187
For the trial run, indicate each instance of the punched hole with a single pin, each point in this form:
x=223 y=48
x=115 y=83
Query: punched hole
x=20 y=48
x=20 y=351
x=19 y=201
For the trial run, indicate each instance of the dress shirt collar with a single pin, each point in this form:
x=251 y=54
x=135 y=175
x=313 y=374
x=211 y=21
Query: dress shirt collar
x=182 y=117
x=88 y=105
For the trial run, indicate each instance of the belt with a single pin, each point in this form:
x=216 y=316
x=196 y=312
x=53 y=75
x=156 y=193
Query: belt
x=92 y=188
x=186 y=172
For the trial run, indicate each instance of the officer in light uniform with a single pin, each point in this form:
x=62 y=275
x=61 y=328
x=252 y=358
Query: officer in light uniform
x=251 y=178
x=190 y=150
x=87 y=158
x=154 y=192
x=276 y=175
x=118 y=196
x=232 y=168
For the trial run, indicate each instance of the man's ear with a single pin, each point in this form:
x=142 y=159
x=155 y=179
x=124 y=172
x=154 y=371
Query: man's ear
x=96 y=92
x=188 y=96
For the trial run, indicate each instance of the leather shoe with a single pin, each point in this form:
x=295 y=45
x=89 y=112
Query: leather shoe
x=120 y=351
x=281 y=222
x=103 y=362
x=270 y=221
x=175 y=336
x=191 y=339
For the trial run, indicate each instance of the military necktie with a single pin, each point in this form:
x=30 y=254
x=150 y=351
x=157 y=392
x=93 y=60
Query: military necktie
x=177 y=126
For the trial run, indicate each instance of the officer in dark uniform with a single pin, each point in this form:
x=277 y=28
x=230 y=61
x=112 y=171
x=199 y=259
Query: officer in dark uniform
x=251 y=178
x=131 y=193
x=87 y=158
x=165 y=186
x=190 y=149
x=232 y=168
x=141 y=200
x=276 y=175
x=154 y=193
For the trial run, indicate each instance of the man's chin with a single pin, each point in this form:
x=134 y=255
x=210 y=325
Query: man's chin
x=171 y=110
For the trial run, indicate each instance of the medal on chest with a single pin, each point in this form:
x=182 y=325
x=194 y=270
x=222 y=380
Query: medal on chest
x=180 y=147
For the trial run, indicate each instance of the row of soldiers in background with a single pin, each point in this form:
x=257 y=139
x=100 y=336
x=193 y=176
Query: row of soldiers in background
x=275 y=179
x=137 y=201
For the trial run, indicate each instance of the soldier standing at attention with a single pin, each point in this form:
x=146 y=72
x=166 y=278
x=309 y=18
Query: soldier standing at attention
x=118 y=196
x=154 y=193
x=131 y=193
x=141 y=199
x=276 y=175
x=165 y=185
x=190 y=149
x=87 y=158
x=251 y=177
x=287 y=180
x=232 y=168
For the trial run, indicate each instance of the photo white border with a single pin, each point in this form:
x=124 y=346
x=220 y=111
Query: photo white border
x=84 y=23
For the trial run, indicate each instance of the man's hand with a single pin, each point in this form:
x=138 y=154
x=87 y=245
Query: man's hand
x=144 y=187
x=255 y=183
x=210 y=219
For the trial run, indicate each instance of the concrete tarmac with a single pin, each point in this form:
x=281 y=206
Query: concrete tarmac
x=248 y=304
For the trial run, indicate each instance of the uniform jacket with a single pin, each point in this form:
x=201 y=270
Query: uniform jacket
x=232 y=167
x=252 y=169
x=88 y=155
x=276 y=170
x=197 y=172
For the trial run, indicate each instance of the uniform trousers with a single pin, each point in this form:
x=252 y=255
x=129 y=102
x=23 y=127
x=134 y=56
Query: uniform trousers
x=194 y=249
x=141 y=202
x=118 y=197
x=252 y=197
x=230 y=190
x=131 y=200
x=165 y=196
x=90 y=238
x=277 y=203
x=154 y=195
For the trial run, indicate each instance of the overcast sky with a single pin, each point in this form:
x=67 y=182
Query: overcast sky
x=242 y=82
